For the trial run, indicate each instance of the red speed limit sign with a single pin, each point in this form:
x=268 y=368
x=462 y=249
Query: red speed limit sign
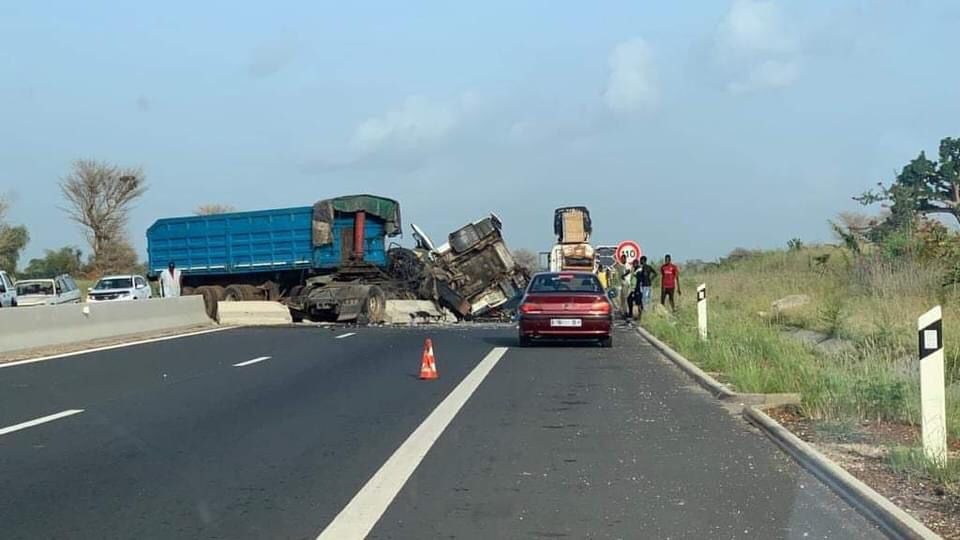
x=630 y=250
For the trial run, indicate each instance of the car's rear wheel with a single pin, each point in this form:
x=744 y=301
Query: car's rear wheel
x=606 y=342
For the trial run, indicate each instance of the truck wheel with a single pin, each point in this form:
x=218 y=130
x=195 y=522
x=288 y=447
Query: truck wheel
x=250 y=292
x=233 y=293
x=374 y=306
x=210 y=300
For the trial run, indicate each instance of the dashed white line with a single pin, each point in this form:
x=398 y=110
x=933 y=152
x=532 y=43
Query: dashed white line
x=38 y=421
x=254 y=361
x=348 y=334
x=360 y=515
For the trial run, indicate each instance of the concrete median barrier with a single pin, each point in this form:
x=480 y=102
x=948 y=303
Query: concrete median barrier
x=253 y=313
x=26 y=328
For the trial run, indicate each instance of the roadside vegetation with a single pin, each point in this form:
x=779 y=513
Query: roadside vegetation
x=861 y=296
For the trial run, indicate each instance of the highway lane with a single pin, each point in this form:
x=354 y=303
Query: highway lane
x=575 y=442
x=271 y=450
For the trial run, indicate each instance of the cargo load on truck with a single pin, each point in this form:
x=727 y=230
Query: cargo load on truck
x=572 y=252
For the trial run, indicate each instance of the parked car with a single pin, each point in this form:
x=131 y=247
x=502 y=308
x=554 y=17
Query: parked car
x=47 y=292
x=564 y=305
x=119 y=288
x=8 y=293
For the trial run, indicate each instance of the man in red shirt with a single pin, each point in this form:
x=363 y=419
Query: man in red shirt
x=669 y=282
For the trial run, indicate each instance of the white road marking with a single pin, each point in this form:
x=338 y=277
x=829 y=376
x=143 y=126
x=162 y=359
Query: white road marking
x=254 y=361
x=38 y=421
x=358 y=518
x=348 y=334
x=110 y=347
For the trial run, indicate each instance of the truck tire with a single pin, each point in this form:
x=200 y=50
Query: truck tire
x=211 y=298
x=234 y=293
x=250 y=292
x=374 y=306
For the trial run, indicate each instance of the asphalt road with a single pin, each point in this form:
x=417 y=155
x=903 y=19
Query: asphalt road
x=175 y=440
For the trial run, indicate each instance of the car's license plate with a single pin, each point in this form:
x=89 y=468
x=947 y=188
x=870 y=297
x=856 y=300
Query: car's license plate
x=566 y=323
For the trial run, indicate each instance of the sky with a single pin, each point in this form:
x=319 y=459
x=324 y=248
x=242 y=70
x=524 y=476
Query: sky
x=692 y=127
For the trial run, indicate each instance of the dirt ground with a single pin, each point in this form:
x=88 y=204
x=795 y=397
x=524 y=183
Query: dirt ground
x=862 y=449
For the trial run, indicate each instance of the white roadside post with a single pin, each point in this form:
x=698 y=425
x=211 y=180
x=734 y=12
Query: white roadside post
x=932 y=385
x=702 y=310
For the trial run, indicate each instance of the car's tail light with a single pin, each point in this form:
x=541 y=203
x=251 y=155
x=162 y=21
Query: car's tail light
x=601 y=307
x=529 y=307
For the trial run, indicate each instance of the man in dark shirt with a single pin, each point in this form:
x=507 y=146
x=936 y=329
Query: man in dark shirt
x=644 y=276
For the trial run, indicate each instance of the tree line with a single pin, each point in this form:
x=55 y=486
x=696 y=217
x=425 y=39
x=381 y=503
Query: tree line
x=98 y=197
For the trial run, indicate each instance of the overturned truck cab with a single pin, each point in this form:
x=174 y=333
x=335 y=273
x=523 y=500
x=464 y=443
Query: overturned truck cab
x=474 y=271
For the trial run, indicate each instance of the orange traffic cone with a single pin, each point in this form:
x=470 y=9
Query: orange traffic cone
x=428 y=364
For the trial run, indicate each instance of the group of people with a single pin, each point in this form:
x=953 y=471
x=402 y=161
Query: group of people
x=636 y=282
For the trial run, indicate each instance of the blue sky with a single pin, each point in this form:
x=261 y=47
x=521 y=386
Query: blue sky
x=692 y=127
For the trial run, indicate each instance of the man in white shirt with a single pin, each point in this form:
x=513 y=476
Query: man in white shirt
x=170 y=281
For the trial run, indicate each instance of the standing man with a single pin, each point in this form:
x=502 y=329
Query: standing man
x=170 y=281
x=669 y=282
x=626 y=287
x=645 y=275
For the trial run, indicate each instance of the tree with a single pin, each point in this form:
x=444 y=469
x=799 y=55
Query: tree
x=923 y=187
x=66 y=260
x=12 y=239
x=214 y=208
x=526 y=259
x=99 y=197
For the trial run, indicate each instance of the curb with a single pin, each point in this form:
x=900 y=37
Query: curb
x=702 y=378
x=890 y=518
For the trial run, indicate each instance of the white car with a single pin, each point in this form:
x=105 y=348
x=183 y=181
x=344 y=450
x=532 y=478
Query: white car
x=47 y=292
x=119 y=288
x=8 y=293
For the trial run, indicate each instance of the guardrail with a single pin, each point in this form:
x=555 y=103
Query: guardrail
x=28 y=327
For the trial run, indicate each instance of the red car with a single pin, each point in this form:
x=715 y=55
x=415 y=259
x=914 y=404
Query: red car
x=562 y=305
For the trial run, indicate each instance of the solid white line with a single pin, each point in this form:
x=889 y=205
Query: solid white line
x=110 y=347
x=348 y=334
x=357 y=519
x=38 y=421
x=254 y=361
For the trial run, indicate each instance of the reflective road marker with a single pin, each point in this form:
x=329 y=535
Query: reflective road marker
x=702 y=310
x=932 y=385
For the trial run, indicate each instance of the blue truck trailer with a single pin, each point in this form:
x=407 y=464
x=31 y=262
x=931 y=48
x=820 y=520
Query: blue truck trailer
x=337 y=244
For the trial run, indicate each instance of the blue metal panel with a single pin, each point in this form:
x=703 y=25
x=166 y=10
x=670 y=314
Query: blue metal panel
x=260 y=241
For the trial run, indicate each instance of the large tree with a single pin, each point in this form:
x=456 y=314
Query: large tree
x=13 y=238
x=923 y=187
x=214 y=208
x=66 y=260
x=526 y=259
x=99 y=197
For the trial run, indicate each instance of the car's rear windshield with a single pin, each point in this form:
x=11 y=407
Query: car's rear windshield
x=35 y=287
x=114 y=283
x=566 y=283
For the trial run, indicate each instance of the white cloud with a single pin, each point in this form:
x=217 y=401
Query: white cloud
x=632 y=84
x=416 y=123
x=755 y=48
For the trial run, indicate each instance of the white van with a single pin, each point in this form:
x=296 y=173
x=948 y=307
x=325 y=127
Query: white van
x=48 y=292
x=8 y=293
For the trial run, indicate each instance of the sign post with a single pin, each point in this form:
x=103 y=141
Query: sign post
x=932 y=385
x=702 y=310
x=628 y=249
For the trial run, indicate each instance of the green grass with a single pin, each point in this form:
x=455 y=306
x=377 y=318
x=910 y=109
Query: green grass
x=874 y=304
x=913 y=463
